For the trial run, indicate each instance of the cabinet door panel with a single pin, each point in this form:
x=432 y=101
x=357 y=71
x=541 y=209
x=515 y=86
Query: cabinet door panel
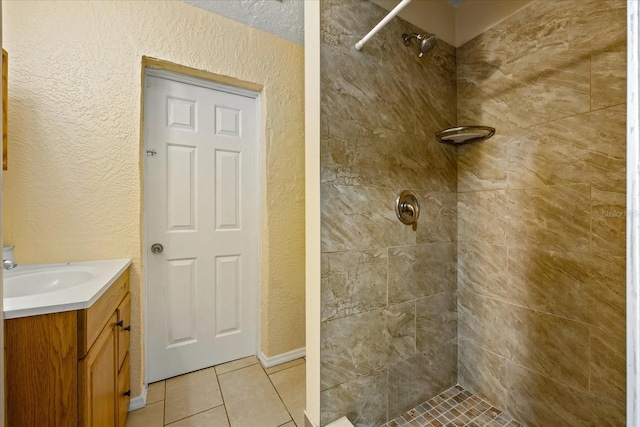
x=98 y=380
x=124 y=392
x=124 y=320
x=41 y=360
x=91 y=321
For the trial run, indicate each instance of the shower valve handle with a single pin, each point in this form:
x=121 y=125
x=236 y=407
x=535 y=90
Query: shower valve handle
x=408 y=208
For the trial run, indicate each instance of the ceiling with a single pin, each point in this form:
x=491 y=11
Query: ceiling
x=283 y=18
x=456 y=21
x=453 y=21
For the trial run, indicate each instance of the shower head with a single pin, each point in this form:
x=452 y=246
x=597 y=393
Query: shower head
x=427 y=41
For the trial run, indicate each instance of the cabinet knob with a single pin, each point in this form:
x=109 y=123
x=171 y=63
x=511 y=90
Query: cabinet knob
x=127 y=393
x=120 y=323
x=128 y=328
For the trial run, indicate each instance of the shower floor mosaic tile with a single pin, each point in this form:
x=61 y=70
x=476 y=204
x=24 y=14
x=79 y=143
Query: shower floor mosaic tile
x=455 y=407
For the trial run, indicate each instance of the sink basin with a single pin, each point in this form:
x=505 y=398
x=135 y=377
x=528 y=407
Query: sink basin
x=44 y=281
x=33 y=289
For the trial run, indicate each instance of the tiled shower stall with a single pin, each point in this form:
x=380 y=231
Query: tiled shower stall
x=513 y=282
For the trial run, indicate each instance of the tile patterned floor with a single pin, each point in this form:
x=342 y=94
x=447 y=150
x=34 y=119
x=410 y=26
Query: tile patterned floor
x=234 y=394
x=455 y=407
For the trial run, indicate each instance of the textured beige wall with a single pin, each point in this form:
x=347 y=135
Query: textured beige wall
x=541 y=214
x=73 y=188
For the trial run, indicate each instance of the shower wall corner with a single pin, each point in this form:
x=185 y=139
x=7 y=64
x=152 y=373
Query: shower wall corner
x=388 y=290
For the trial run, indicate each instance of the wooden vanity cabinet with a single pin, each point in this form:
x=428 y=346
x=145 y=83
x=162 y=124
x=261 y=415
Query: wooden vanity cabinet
x=124 y=392
x=41 y=357
x=97 y=380
x=124 y=329
x=124 y=336
x=71 y=368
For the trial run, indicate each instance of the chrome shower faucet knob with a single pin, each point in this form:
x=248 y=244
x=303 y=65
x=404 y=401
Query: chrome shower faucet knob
x=407 y=207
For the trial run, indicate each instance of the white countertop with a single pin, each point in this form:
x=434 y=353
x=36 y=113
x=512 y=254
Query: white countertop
x=74 y=298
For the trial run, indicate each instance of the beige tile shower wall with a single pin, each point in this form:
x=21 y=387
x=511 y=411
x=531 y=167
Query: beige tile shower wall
x=389 y=323
x=541 y=214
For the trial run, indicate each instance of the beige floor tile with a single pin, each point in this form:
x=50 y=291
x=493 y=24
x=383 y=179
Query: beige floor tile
x=251 y=399
x=155 y=392
x=289 y=424
x=290 y=385
x=216 y=417
x=283 y=366
x=190 y=394
x=236 y=364
x=151 y=415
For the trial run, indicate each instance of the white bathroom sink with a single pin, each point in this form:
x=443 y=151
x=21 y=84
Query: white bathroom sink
x=33 y=282
x=29 y=290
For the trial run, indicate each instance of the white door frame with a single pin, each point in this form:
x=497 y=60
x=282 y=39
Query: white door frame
x=312 y=210
x=196 y=81
x=633 y=213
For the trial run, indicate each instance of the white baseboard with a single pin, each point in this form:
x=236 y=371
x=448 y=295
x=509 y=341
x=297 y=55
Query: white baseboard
x=139 y=402
x=279 y=359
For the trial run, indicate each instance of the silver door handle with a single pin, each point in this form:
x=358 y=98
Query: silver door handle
x=157 y=248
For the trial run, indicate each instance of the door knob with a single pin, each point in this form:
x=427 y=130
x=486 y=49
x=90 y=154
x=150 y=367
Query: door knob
x=157 y=248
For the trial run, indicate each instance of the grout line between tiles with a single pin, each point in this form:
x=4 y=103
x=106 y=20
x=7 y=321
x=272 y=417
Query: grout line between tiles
x=387 y=399
x=591 y=219
x=575 y=389
x=263 y=368
x=387 y=305
x=280 y=397
x=226 y=413
x=582 y=322
x=590 y=370
x=609 y=106
x=415 y=330
x=236 y=369
x=375 y=371
x=285 y=369
x=530 y=187
x=591 y=75
x=452 y=340
x=506 y=384
x=198 y=413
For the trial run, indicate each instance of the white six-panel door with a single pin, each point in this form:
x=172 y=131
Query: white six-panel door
x=201 y=205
